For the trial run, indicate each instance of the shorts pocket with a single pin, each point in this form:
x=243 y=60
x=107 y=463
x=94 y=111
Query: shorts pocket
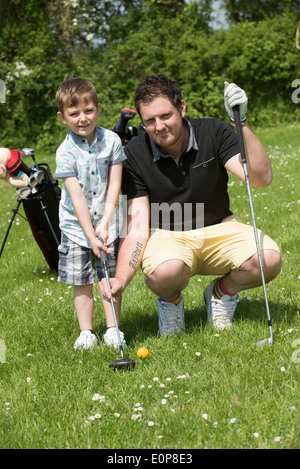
x=63 y=263
x=63 y=249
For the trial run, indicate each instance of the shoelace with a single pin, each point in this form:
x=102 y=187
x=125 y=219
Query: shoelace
x=84 y=339
x=112 y=336
x=224 y=308
x=170 y=315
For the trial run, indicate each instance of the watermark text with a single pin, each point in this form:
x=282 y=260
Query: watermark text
x=2 y=91
x=296 y=93
x=2 y=351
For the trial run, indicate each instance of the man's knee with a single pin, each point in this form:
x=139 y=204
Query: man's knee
x=271 y=263
x=168 y=276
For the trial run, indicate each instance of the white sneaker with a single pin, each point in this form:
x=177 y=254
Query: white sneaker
x=86 y=340
x=219 y=312
x=111 y=338
x=170 y=316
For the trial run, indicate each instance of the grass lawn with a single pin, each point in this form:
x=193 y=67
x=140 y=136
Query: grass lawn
x=196 y=390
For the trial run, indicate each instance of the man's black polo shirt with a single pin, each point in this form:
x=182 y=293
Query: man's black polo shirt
x=198 y=177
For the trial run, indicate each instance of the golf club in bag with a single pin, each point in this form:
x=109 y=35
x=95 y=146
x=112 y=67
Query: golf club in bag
x=41 y=206
x=236 y=113
x=123 y=363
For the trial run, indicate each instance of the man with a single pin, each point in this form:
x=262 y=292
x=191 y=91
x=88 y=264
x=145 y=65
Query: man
x=182 y=164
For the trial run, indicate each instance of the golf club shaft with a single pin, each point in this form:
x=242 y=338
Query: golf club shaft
x=104 y=262
x=44 y=208
x=236 y=113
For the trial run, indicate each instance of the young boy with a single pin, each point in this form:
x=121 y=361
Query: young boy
x=90 y=163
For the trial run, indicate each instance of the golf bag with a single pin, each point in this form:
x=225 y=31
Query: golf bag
x=41 y=206
x=126 y=131
x=41 y=209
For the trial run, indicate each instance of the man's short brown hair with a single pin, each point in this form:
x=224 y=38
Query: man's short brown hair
x=74 y=90
x=153 y=86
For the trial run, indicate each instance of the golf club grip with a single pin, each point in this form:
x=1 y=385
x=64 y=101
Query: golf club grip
x=102 y=253
x=103 y=256
x=237 y=121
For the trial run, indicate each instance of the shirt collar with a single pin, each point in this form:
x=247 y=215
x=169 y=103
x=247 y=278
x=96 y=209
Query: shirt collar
x=77 y=139
x=157 y=153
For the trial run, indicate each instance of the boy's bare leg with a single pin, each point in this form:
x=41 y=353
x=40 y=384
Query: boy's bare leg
x=111 y=338
x=110 y=322
x=84 y=306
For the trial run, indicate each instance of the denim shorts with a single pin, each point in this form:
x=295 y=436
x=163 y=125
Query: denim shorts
x=78 y=265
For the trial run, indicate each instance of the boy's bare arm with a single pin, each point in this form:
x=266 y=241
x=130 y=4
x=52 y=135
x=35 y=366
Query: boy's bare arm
x=112 y=199
x=82 y=212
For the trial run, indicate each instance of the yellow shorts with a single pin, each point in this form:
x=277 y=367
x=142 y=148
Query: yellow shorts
x=213 y=250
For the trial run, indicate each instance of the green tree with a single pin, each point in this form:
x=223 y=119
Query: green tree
x=32 y=64
x=115 y=43
x=40 y=43
x=257 y=10
x=160 y=38
x=263 y=59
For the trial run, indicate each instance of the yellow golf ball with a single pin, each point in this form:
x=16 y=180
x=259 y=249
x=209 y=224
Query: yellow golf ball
x=143 y=353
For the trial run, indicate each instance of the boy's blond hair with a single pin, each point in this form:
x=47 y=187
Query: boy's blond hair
x=74 y=90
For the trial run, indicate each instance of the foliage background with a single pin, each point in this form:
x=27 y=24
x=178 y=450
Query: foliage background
x=115 y=43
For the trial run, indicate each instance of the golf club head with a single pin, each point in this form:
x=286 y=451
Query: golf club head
x=268 y=341
x=122 y=364
x=28 y=152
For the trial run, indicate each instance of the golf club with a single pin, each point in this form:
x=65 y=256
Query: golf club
x=123 y=363
x=30 y=152
x=236 y=113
